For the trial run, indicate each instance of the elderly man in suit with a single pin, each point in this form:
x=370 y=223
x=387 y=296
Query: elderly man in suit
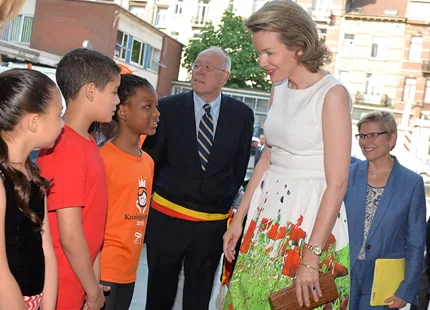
x=201 y=153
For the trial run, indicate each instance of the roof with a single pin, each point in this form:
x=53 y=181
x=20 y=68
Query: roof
x=388 y=9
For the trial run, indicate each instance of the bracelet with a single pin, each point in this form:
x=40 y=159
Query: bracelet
x=309 y=266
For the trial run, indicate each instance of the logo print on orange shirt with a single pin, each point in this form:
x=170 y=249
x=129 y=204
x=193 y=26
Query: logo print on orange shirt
x=141 y=201
x=138 y=238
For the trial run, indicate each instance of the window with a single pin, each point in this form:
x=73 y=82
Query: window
x=139 y=11
x=321 y=5
x=178 y=7
x=121 y=45
x=138 y=52
x=415 y=48
x=19 y=29
x=409 y=89
x=160 y=19
x=202 y=12
x=237 y=97
x=197 y=34
x=258 y=4
x=418 y=10
x=374 y=84
x=427 y=92
x=348 y=44
x=250 y=102
x=322 y=33
x=262 y=106
x=344 y=77
x=429 y=147
x=358 y=114
x=379 y=47
x=155 y=58
x=260 y=118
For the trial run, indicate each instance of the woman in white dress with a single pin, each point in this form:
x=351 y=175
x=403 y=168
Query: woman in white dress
x=296 y=223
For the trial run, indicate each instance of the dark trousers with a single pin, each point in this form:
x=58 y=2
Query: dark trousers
x=171 y=242
x=423 y=295
x=119 y=297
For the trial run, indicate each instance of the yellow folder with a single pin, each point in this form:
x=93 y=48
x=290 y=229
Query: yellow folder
x=389 y=273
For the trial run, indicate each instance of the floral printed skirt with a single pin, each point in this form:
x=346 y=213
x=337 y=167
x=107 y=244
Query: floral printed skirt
x=280 y=220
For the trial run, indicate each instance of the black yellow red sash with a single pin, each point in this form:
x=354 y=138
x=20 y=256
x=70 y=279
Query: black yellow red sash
x=172 y=209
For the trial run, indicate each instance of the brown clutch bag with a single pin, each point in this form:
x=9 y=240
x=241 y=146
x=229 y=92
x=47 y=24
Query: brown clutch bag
x=286 y=299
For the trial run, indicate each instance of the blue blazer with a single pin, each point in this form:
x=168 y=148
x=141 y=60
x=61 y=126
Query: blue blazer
x=398 y=228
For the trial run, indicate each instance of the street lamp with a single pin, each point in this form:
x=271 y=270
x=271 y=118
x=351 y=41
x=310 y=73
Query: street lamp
x=87 y=44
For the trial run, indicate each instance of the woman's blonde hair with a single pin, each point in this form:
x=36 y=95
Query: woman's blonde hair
x=295 y=29
x=8 y=10
x=384 y=119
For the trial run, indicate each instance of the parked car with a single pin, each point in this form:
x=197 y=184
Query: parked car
x=255 y=143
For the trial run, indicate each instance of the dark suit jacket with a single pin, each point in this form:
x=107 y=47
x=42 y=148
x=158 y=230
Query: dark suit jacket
x=398 y=228
x=178 y=175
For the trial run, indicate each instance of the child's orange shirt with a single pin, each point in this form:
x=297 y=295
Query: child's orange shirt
x=129 y=181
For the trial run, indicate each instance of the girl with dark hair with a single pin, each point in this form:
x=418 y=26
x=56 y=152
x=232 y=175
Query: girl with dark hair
x=30 y=117
x=129 y=173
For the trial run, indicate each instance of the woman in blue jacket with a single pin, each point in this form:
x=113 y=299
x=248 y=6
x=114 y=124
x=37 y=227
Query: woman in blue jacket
x=386 y=210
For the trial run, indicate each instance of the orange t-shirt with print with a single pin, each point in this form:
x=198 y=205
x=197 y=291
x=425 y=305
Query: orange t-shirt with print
x=129 y=181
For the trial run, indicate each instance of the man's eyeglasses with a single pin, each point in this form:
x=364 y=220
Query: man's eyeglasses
x=207 y=68
x=370 y=136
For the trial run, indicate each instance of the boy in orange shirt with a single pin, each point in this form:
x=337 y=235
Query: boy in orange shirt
x=129 y=173
x=77 y=200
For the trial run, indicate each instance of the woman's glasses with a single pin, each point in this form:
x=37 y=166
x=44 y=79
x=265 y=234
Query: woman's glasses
x=370 y=136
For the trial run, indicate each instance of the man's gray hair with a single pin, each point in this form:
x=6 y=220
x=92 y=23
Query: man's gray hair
x=227 y=60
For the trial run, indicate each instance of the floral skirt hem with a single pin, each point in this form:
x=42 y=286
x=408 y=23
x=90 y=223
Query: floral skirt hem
x=262 y=270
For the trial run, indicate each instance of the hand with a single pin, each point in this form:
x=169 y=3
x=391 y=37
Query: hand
x=396 y=302
x=96 y=302
x=230 y=239
x=307 y=279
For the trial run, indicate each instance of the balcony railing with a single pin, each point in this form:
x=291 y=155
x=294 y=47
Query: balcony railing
x=373 y=99
x=320 y=15
x=202 y=15
x=426 y=67
x=198 y=22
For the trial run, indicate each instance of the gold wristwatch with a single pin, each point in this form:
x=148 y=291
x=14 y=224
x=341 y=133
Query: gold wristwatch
x=314 y=249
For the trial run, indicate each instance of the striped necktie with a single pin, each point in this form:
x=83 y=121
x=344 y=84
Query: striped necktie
x=205 y=136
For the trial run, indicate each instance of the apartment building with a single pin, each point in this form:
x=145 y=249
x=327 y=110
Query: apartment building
x=370 y=53
x=383 y=52
x=413 y=93
x=183 y=19
x=180 y=19
x=15 y=40
x=327 y=15
x=51 y=28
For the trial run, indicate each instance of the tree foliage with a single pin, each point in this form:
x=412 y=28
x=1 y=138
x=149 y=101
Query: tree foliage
x=233 y=37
